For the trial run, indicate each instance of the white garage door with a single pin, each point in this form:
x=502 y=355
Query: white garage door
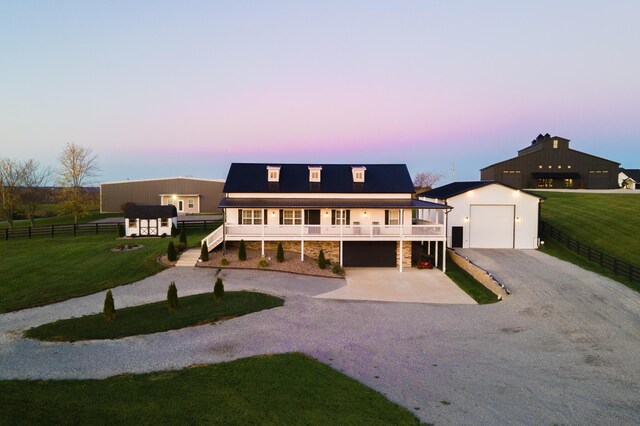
x=491 y=226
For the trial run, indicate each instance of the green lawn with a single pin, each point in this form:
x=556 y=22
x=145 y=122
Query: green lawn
x=468 y=284
x=607 y=222
x=154 y=317
x=60 y=220
x=46 y=270
x=268 y=390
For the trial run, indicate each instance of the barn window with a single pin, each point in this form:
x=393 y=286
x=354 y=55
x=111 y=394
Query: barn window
x=164 y=222
x=132 y=223
x=555 y=144
x=190 y=203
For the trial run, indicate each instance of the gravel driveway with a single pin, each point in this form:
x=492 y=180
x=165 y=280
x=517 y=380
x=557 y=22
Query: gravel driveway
x=562 y=349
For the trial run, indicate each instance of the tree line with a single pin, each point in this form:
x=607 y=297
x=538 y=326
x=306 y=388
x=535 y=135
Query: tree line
x=23 y=183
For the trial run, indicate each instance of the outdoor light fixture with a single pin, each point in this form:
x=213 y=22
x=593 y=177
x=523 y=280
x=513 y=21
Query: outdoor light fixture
x=517 y=219
x=174 y=197
x=326 y=213
x=466 y=219
x=365 y=214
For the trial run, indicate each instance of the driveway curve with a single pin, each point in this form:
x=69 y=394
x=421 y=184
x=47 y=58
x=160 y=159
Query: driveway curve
x=563 y=348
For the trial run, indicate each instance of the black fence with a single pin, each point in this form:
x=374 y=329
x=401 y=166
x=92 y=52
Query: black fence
x=619 y=267
x=96 y=228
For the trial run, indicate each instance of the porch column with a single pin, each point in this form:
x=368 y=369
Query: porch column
x=444 y=257
x=263 y=225
x=301 y=234
x=341 y=253
x=224 y=234
x=437 y=247
x=401 y=227
x=401 y=255
x=342 y=220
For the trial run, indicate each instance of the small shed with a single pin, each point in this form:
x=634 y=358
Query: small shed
x=488 y=214
x=150 y=221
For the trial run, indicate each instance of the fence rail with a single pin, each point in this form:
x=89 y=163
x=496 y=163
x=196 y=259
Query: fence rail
x=618 y=266
x=95 y=228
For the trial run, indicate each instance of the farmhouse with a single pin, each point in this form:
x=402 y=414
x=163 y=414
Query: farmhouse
x=359 y=215
x=149 y=221
x=189 y=195
x=487 y=214
x=549 y=163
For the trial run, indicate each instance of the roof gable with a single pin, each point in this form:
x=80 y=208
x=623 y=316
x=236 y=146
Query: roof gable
x=632 y=173
x=150 y=212
x=456 y=188
x=336 y=178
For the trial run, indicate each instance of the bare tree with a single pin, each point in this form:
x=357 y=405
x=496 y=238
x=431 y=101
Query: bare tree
x=78 y=168
x=10 y=180
x=426 y=179
x=34 y=179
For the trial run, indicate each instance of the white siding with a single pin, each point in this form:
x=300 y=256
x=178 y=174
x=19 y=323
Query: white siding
x=525 y=224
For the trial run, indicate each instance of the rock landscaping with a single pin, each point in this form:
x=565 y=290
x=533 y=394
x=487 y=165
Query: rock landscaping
x=291 y=262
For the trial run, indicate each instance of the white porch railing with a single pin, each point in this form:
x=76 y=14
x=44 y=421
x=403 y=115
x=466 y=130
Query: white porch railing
x=309 y=232
x=213 y=239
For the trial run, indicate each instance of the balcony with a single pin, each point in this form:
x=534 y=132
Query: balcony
x=353 y=232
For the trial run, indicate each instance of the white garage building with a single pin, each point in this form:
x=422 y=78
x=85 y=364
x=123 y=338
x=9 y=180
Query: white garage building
x=487 y=214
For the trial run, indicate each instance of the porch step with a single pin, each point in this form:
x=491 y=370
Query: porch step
x=189 y=257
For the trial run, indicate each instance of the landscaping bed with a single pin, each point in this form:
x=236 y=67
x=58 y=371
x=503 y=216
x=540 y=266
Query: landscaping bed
x=155 y=317
x=291 y=263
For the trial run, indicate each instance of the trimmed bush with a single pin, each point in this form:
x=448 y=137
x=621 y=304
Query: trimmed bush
x=263 y=263
x=280 y=253
x=121 y=232
x=337 y=269
x=183 y=237
x=242 y=251
x=204 y=252
x=174 y=230
x=109 y=309
x=172 y=252
x=322 y=262
x=218 y=289
x=224 y=262
x=181 y=247
x=172 y=297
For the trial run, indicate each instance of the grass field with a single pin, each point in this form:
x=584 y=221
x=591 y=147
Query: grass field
x=269 y=390
x=607 y=222
x=60 y=220
x=154 y=317
x=46 y=270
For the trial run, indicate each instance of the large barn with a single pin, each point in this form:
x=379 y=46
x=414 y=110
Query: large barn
x=188 y=195
x=549 y=163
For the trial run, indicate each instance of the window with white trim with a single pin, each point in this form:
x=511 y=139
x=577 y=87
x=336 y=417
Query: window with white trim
x=292 y=217
x=164 y=222
x=394 y=217
x=190 y=203
x=251 y=217
x=132 y=223
x=340 y=217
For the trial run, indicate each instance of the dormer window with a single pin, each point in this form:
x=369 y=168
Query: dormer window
x=273 y=173
x=358 y=173
x=314 y=173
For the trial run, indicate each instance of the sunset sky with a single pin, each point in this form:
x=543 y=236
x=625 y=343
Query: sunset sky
x=161 y=89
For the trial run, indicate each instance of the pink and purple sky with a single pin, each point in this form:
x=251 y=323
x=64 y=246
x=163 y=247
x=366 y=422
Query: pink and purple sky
x=185 y=88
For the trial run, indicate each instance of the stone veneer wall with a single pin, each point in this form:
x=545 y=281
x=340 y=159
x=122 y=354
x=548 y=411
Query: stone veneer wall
x=406 y=254
x=479 y=274
x=311 y=248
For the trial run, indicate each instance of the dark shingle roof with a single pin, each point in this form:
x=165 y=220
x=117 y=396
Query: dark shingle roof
x=150 y=212
x=329 y=203
x=632 y=173
x=454 y=188
x=336 y=178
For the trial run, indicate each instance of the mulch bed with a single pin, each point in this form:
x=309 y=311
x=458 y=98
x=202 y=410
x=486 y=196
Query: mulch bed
x=292 y=262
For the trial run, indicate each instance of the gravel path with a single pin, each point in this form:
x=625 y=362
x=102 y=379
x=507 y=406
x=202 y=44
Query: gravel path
x=562 y=349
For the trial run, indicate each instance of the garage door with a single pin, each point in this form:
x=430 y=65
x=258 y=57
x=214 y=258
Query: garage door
x=366 y=253
x=491 y=226
x=598 y=181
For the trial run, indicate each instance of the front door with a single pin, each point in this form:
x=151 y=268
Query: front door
x=312 y=217
x=180 y=206
x=456 y=236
